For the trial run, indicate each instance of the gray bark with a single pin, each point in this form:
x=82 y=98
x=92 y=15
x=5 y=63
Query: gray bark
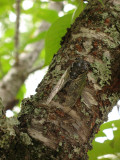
x=77 y=93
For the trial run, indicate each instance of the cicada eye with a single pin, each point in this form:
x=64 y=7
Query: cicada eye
x=73 y=74
x=79 y=64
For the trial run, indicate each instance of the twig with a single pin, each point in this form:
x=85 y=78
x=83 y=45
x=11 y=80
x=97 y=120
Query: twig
x=36 y=68
x=17 y=30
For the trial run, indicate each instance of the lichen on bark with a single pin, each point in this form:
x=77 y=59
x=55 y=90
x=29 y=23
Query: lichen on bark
x=62 y=118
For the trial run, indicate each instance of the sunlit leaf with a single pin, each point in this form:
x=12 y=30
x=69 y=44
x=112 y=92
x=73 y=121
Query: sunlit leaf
x=5 y=6
x=78 y=10
x=54 y=35
x=25 y=42
x=109 y=146
x=45 y=14
x=20 y=94
x=4 y=65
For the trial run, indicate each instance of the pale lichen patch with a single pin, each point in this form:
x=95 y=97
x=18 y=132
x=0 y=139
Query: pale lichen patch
x=25 y=138
x=88 y=45
x=114 y=98
x=102 y=71
x=105 y=15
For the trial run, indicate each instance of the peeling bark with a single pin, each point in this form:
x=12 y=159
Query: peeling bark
x=77 y=93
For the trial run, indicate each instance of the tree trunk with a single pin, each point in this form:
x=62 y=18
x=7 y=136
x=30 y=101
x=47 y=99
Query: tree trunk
x=83 y=82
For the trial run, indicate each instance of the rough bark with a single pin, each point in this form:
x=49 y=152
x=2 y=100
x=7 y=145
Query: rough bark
x=59 y=122
x=14 y=79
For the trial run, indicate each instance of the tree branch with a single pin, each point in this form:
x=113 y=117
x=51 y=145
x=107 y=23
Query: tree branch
x=13 y=80
x=84 y=77
x=36 y=68
x=17 y=31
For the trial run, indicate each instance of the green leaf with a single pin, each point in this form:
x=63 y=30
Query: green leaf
x=38 y=37
x=54 y=35
x=101 y=1
x=6 y=2
x=109 y=146
x=9 y=32
x=48 y=15
x=57 y=0
x=41 y=58
x=45 y=14
x=42 y=54
x=4 y=59
x=30 y=39
x=78 y=10
x=20 y=94
x=5 y=6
